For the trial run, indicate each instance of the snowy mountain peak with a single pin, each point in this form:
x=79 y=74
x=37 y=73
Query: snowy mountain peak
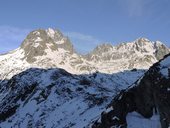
x=50 y=32
x=40 y=42
x=139 y=54
x=60 y=39
x=138 y=44
x=54 y=34
x=36 y=43
x=141 y=40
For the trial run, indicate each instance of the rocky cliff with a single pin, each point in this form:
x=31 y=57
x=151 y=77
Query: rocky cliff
x=149 y=96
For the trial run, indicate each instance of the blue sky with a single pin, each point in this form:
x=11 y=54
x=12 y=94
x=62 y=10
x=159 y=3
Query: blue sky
x=87 y=22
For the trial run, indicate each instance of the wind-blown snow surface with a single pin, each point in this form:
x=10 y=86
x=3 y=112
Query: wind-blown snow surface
x=59 y=99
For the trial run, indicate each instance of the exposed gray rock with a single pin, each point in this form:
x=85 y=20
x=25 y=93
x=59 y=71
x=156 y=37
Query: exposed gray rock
x=99 y=50
x=35 y=44
x=67 y=45
x=161 y=50
x=38 y=41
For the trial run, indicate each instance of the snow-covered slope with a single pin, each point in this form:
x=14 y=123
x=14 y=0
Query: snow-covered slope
x=54 y=98
x=51 y=49
x=145 y=104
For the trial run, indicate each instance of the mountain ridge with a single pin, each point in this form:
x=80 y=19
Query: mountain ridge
x=50 y=48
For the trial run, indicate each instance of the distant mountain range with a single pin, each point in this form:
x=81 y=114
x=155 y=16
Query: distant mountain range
x=45 y=83
x=51 y=49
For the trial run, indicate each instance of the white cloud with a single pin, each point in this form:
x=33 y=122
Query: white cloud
x=83 y=43
x=136 y=7
x=11 y=37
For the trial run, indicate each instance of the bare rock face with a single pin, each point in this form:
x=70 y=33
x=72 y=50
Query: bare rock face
x=150 y=95
x=37 y=42
x=161 y=50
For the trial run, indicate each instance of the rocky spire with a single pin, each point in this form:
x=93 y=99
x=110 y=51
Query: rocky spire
x=38 y=41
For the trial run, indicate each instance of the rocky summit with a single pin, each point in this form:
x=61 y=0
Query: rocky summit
x=37 y=42
x=45 y=83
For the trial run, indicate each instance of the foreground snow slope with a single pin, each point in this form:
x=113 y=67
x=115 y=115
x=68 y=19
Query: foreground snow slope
x=55 y=98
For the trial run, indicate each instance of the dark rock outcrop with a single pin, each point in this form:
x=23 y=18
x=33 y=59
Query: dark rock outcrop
x=149 y=94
